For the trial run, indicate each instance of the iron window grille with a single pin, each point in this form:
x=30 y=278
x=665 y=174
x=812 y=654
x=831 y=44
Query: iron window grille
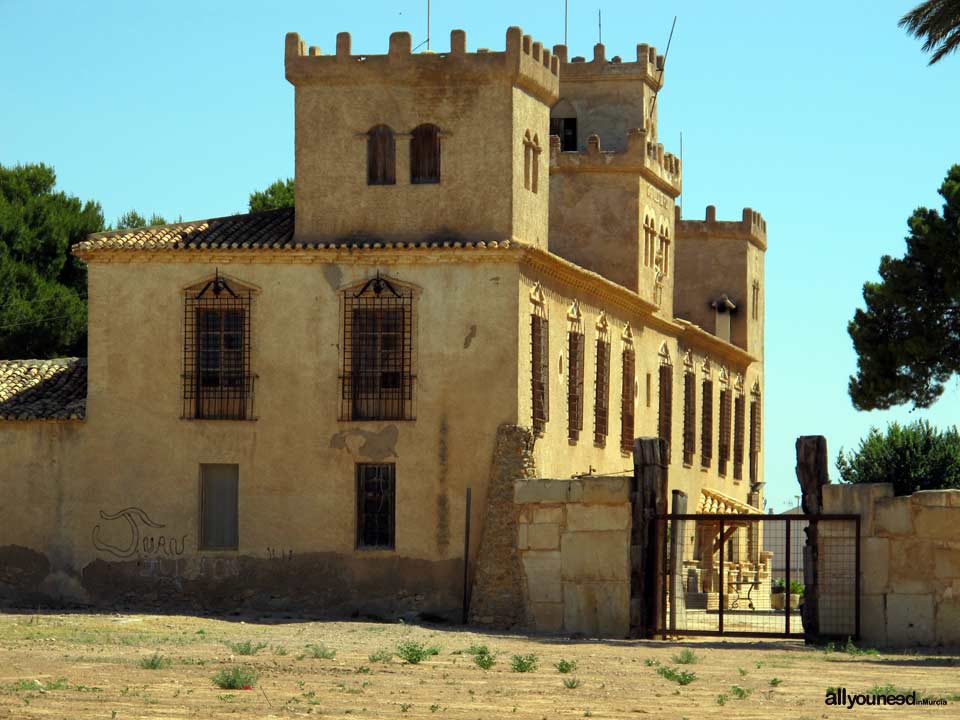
x=706 y=425
x=377 y=360
x=376 y=506
x=666 y=403
x=724 y=441
x=539 y=369
x=626 y=401
x=738 y=433
x=574 y=385
x=601 y=405
x=217 y=381
x=689 y=417
x=425 y=155
x=755 y=438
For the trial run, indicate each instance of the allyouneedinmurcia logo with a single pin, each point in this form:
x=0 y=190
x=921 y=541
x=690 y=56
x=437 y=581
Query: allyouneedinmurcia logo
x=840 y=697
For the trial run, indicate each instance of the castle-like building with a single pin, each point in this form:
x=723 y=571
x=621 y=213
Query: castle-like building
x=286 y=409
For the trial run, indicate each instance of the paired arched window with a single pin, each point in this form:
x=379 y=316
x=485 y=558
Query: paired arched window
x=381 y=156
x=531 y=161
x=425 y=155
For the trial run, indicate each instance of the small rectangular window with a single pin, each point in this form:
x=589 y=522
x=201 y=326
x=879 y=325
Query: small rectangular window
x=376 y=506
x=706 y=425
x=601 y=406
x=724 y=440
x=689 y=417
x=566 y=129
x=666 y=405
x=738 y=433
x=755 y=438
x=626 y=402
x=539 y=374
x=574 y=385
x=219 y=520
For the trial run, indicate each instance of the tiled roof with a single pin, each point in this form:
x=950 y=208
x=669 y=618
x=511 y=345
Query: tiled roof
x=43 y=389
x=272 y=229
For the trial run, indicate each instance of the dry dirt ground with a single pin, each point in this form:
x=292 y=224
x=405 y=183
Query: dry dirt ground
x=55 y=666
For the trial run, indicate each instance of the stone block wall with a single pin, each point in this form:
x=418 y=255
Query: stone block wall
x=910 y=563
x=573 y=541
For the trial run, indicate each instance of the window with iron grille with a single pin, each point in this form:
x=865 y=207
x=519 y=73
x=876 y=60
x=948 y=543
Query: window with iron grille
x=381 y=156
x=666 y=403
x=425 y=155
x=539 y=370
x=755 y=438
x=574 y=384
x=738 y=432
x=219 y=516
x=724 y=440
x=377 y=360
x=376 y=506
x=706 y=425
x=626 y=401
x=217 y=382
x=689 y=417
x=601 y=406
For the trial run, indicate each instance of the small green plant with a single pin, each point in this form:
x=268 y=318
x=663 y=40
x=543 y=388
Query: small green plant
x=686 y=657
x=279 y=650
x=742 y=671
x=683 y=677
x=571 y=683
x=484 y=660
x=235 y=678
x=380 y=656
x=434 y=707
x=154 y=662
x=566 y=666
x=320 y=651
x=245 y=648
x=405 y=707
x=363 y=670
x=651 y=662
x=523 y=663
x=415 y=652
x=477 y=650
x=758 y=665
x=774 y=682
x=739 y=693
x=226 y=697
x=722 y=699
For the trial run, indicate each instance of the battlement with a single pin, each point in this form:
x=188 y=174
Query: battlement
x=647 y=68
x=524 y=62
x=751 y=227
x=641 y=157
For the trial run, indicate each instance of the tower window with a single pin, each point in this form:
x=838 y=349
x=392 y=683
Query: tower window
x=425 y=155
x=381 y=156
x=566 y=129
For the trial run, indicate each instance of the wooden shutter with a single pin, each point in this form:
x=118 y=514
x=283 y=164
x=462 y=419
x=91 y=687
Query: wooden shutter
x=381 y=156
x=666 y=403
x=706 y=424
x=754 y=439
x=626 y=402
x=601 y=406
x=539 y=334
x=738 y=432
x=689 y=417
x=425 y=155
x=724 y=442
x=574 y=385
x=219 y=506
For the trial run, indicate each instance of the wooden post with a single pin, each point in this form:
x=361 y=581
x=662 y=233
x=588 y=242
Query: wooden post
x=812 y=475
x=677 y=599
x=648 y=499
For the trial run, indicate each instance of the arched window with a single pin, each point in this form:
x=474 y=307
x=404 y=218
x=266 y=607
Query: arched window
x=425 y=155
x=563 y=123
x=531 y=162
x=381 y=156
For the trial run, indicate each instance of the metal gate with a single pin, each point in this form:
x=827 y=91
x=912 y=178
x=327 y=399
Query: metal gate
x=755 y=575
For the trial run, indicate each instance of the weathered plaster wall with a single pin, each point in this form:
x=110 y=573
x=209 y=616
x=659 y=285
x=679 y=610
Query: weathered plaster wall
x=910 y=563
x=133 y=458
x=573 y=538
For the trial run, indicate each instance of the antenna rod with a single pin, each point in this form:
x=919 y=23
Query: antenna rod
x=428 y=24
x=666 y=52
x=566 y=13
x=599 y=26
x=681 y=169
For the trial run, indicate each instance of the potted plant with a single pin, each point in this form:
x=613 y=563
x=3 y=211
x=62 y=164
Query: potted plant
x=796 y=592
x=779 y=594
x=777 y=588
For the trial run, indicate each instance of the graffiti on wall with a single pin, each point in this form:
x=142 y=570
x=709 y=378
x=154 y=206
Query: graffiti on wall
x=142 y=541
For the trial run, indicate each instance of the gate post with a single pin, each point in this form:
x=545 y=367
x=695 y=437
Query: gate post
x=647 y=499
x=812 y=475
x=677 y=599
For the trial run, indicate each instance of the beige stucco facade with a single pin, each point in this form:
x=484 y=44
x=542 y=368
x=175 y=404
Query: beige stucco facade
x=104 y=509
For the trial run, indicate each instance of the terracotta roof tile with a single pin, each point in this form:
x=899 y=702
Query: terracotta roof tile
x=272 y=229
x=43 y=389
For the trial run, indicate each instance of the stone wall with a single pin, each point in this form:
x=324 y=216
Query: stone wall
x=910 y=563
x=573 y=540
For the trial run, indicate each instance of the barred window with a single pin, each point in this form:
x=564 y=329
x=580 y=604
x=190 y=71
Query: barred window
x=724 y=441
x=377 y=359
x=425 y=155
x=626 y=401
x=738 y=432
x=574 y=384
x=217 y=382
x=539 y=370
x=376 y=506
x=706 y=424
x=689 y=417
x=381 y=156
x=219 y=516
x=666 y=403
x=755 y=437
x=601 y=406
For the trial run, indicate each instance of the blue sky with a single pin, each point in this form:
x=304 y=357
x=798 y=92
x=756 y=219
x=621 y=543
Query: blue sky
x=822 y=115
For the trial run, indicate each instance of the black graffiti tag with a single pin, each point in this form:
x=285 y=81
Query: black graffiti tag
x=150 y=544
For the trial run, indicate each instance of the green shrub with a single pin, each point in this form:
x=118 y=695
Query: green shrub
x=381 y=656
x=154 y=662
x=235 y=678
x=484 y=660
x=245 y=648
x=739 y=693
x=566 y=666
x=415 y=652
x=686 y=657
x=321 y=651
x=523 y=663
x=683 y=677
x=571 y=683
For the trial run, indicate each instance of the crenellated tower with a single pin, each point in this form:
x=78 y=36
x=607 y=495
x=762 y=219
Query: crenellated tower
x=406 y=147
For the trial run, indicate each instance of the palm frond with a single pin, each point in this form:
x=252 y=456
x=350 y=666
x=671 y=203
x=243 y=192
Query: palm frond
x=937 y=22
